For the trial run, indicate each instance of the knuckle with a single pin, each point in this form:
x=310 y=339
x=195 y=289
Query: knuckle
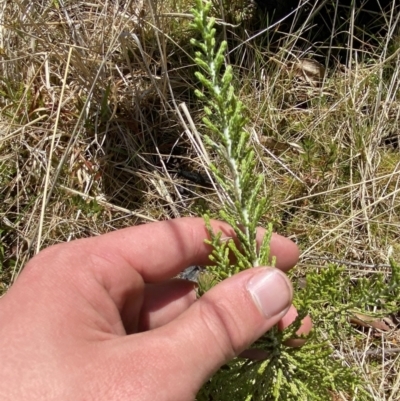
x=44 y=255
x=54 y=255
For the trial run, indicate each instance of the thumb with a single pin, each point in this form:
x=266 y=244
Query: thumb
x=227 y=320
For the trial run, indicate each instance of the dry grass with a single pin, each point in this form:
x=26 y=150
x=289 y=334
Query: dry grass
x=97 y=107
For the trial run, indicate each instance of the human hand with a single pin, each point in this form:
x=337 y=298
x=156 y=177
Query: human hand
x=102 y=318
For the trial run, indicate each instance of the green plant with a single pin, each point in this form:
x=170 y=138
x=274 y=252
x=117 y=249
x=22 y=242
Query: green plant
x=89 y=207
x=308 y=373
x=225 y=119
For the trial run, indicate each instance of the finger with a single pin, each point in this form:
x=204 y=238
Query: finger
x=257 y=354
x=165 y=301
x=159 y=251
x=283 y=249
x=220 y=325
x=304 y=329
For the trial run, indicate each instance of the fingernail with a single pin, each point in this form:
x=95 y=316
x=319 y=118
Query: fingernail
x=271 y=292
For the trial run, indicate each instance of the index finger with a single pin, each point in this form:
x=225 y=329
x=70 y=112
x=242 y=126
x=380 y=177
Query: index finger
x=159 y=251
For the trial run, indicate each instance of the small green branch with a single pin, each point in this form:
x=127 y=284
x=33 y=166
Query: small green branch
x=226 y=121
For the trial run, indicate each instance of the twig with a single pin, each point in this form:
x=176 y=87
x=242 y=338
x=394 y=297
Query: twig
x=346 y=262
x=53 y=138
x=106 y=204
x=378 y=352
